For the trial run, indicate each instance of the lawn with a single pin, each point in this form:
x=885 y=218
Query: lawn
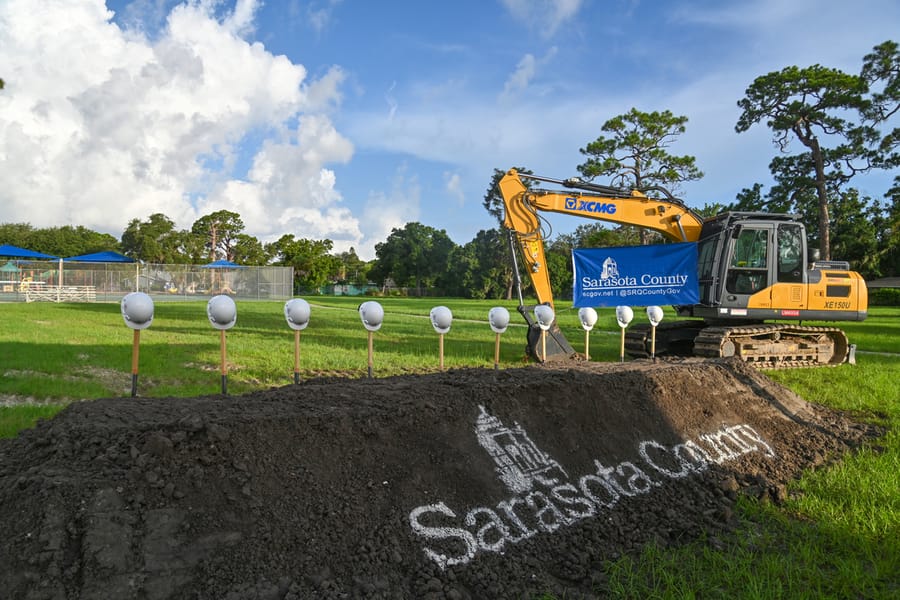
x=837 y=536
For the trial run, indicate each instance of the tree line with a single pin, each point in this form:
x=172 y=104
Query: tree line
x=845 y=125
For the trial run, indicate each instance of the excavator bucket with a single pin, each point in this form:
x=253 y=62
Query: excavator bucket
x=540 y=347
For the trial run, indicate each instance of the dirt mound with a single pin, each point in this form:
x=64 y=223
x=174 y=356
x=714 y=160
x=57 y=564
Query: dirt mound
x=463 y=484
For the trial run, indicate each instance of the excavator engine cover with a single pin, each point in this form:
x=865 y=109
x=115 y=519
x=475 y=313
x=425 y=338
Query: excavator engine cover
x=556 y=344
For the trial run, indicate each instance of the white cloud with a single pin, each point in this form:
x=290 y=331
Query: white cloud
x=525 y=72
x=143 y=14
x=391 y=101
x=453 y=185
x=240 y=21
x=477 y=135
x=287 y=190
x=771 y=34
x=546 y=15
x=325 y=93
x=519 y=79
x=320 y=14
x=386 y=211
x=743 y=14
x=99 y=125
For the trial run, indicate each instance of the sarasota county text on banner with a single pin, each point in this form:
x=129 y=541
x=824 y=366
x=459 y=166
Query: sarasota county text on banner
x=663 y=274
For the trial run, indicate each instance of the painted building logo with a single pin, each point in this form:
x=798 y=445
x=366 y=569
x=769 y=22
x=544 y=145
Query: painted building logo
x=520 y=464
x=546 y=499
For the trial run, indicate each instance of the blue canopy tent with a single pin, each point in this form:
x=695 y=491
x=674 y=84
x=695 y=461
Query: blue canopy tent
x=10 y=251
x=222 y=282
x=21 y=254
x=102 y=257
x=222 y=264
x=107 y=256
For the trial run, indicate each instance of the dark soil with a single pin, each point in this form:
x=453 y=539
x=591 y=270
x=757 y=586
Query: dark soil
x=463 y=484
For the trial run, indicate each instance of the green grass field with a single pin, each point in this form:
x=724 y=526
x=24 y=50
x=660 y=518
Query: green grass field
x=838 y=536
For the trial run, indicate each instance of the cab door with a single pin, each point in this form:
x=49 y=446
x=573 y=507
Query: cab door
x=789 y=293
x=748 y=274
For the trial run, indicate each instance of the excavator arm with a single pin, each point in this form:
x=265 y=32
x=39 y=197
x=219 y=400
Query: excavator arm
x=670 y=217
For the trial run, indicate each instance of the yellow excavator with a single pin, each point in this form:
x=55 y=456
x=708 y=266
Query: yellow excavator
x=753 y=269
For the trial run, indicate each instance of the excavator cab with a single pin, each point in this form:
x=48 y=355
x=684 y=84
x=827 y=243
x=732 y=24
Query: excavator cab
x=742 y=255
x=752 y=270
x=752 y=267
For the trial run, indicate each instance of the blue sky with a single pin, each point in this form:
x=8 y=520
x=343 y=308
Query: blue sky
x=343 y=119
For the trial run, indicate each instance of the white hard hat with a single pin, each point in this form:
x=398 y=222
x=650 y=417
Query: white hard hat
x=624 y=315
x=441 y=318
x=371 y=314
x=588 y=317
x=221 y=311
x=296 y=313
x=498 y=317
x=544 y=315
x=137 y=310
x=655 y=314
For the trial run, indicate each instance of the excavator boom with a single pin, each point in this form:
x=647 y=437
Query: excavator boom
x=670 y=217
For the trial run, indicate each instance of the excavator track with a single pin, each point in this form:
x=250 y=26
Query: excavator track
x=765 y=346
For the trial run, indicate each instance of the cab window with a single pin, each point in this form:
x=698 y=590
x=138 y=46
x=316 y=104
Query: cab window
x=748 y=273
x=790 y=253
x=751 y=249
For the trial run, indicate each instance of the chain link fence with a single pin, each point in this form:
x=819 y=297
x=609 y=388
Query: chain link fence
x=32 y=281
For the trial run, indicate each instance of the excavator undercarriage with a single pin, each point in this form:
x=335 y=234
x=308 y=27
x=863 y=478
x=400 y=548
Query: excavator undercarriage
x=765 y=346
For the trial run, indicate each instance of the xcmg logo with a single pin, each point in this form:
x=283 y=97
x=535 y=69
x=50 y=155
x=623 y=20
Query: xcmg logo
x=590 y=206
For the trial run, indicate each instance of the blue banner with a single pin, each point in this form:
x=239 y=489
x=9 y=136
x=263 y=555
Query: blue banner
x=664 y=274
